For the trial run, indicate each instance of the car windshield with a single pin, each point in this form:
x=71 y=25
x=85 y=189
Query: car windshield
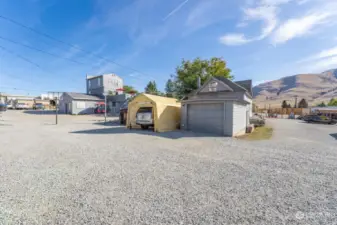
x=145 y=110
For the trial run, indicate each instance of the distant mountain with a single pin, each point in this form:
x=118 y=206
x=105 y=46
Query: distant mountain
x=315 y=88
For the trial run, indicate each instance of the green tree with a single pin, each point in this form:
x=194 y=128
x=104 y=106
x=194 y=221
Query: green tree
x=333 y=102
x=321 y=104
x=170 y=88
x=129 y=89
x=284 y=104
x=187 y=73
x=111 y=93
x=151 y=88
x=303 y=104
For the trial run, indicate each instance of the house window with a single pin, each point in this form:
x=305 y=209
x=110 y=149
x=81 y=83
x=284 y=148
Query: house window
x=212 y=86
x=114 y=104
x=89 y=83
x=99 y=81
x=80 y=105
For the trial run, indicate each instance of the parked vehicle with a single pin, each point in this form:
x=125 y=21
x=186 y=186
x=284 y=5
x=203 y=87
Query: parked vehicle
x=257 y=121
x=3 y=107
x=21 y=106
x=144 y=117
x=319 y=119
x=38 y=106
x=123 y=112
x=10 y=106
x=100 y=108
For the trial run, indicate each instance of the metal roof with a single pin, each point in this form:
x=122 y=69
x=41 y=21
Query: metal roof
x=81 y=96
x=246 y=84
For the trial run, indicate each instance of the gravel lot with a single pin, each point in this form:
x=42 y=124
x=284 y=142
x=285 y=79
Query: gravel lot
x=83 y=172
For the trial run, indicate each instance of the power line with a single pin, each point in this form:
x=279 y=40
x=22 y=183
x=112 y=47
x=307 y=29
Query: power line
x=70 y=45
x=21 y=57
x=27 y=60
x=19 y=89
x=39 y=50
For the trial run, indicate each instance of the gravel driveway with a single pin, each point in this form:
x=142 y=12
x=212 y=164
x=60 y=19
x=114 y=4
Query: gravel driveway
x=82 y=172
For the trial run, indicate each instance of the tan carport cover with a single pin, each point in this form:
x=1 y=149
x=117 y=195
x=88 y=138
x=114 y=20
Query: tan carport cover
x=166 y=111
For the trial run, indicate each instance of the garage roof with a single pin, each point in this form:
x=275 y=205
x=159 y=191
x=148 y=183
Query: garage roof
x=81 y=96
x=244 y=85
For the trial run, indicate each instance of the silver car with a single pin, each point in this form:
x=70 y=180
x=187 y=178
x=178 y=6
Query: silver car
x=144 y=117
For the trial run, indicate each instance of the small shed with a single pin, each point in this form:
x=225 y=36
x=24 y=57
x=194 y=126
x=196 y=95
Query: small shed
x=220 y=107
x=78 y=103
x=166 y=111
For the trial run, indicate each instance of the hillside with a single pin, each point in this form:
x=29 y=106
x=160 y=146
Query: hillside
x=315 y=88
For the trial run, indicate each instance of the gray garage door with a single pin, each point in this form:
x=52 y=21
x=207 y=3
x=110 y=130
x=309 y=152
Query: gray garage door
x=206 y=118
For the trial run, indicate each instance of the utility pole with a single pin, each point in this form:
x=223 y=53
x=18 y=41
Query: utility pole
x=56 y=97
x=105 y=108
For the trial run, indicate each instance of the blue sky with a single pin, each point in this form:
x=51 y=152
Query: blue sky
x=260 y=39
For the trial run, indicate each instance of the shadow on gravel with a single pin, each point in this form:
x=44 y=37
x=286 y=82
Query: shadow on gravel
x=40 y=112
x=334 y=136
x=124 y=130
x=108 y=124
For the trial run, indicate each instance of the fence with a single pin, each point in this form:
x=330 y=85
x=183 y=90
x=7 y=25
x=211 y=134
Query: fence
x=286 y=111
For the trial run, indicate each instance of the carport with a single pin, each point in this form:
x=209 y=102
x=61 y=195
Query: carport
x=166 y=112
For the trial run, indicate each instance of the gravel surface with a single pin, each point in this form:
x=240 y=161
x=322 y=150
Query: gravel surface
x=85 y=172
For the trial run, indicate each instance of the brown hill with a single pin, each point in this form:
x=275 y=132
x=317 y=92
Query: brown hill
x=315 y=88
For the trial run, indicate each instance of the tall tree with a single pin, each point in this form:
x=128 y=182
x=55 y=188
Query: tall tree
x=111 y=93
x=170 y=88
x=187 y=73
x=129 y=89
x=303 y=104
x=284 y=104
x=151 y=88
x=333 y=102
x=321 y=104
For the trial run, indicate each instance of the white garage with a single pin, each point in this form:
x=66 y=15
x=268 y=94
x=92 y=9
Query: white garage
x=220 y=107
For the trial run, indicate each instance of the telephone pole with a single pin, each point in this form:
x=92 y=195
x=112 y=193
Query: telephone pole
x=56 y=97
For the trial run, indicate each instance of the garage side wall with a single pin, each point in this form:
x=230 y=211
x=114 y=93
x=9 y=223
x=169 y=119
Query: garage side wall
x=239 y=118
x=228 y=122
x=65 y=99
x=168 y=118
x=83 y=107
x=183 y=115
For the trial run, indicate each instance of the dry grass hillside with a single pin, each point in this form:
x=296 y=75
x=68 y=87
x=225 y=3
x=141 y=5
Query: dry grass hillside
x=315 y=88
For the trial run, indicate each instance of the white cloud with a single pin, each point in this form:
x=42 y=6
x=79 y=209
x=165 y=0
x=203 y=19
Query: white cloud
x=264 y=13
x=323 y=65
x=321 y=55
x=255 y=83
x=298 y=27
x=234 y=39
x=301 y=2
x=320 y=13
x=205 y=13
x=274 y=2
x=267 y=14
